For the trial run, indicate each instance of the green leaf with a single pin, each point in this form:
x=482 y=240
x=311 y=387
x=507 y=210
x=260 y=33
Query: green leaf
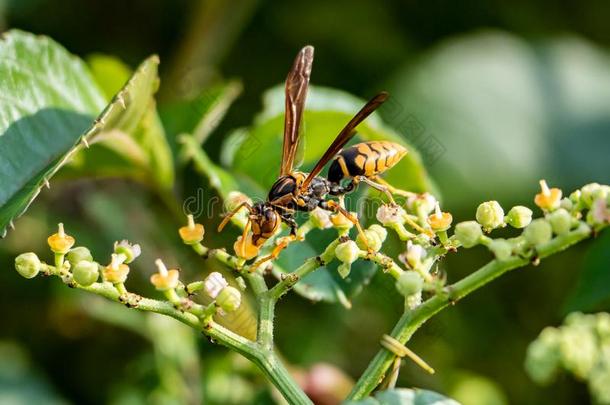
x=202 y=114
x=253 y=156
x=138 y=148
x=507 y=113
x=221 y=180
x=405 y=396
x=48 y=101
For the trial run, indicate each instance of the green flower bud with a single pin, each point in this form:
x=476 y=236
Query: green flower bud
x=344 y=269
x=77 y=254
x=490 y=215
x=575 y=197
x=468 y=233
x=561 y=221
x=501 y=248
x=409 y=283
x=28 y=264
x=380 y=230
x=543 y=358
x=229 y=299
x=519 y=217
x=373 y=241
x=579 y=349
x=539 y=231
x=566 y=204
x=85 y=272
x=347 y=252
x=589 y=192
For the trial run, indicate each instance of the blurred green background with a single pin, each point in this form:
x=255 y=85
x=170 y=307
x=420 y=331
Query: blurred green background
x=494 y=95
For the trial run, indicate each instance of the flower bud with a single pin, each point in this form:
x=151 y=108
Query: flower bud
x=192 y=233
x=165 y=279
x=214 y=283
x=78 y=254
x=234 y=199
x=245 y=249
x=561 y=221
x=519 y=216
x=590 y=192
x=340 y=221
x=229 y=299
x=344 y=269
x=490 y=215
x=130 y=251
x=116 y=272
x=347 y=252
x=501 y=248
x=320 y=218
x=380 y=231
x=373 y=241
x=414 y=254
x=549 y=198
x=423 y=204
x=28 y=265
x=543 y=358
x=391 y=214
x=85 y=272
x=468 y=233
x=566 y=204
x=409 y=283
x=539 y=231
x=598 y=214
x=60 y=242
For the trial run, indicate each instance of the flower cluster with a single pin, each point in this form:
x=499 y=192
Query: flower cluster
x=580 y=346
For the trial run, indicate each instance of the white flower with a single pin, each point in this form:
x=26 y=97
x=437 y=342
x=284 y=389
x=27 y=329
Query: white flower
x=391 y=214
x=214 y=283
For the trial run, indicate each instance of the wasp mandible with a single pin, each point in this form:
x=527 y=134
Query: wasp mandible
x=298 y=191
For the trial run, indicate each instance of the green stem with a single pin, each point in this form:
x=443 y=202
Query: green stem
x=412 y=320
x=266 y=313
x=275 y=371
x=309 y=266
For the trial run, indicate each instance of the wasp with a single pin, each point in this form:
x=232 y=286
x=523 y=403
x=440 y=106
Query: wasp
x=299 y=191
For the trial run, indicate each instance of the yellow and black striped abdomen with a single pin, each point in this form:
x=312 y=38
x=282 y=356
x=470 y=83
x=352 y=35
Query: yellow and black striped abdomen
x=366 y=159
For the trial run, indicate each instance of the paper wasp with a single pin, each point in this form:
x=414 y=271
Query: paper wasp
x=298 y=191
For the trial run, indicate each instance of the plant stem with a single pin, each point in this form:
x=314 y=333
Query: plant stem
x=413 y=319
x=266 y=313
x=275 y=371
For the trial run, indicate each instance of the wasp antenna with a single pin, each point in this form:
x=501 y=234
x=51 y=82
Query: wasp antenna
x=230 y=215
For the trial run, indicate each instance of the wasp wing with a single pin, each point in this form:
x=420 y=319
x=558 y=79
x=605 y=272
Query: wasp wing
x=296 y=93
x=345 y=135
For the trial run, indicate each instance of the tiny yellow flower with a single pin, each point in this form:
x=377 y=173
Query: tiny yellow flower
x=117 y=271
x=341 y=221
x=549 y=198
x=60 y=242
x=165 y=279
x=192 y=233
x=440 y=221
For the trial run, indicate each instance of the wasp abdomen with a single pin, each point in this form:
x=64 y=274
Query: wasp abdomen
x=366 y=159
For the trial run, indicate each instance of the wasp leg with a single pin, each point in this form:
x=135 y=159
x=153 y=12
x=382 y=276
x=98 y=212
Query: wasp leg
x=393 y=189
x=333 y=206
x=388 y=190
x=384 y=189
x=230 y=215
x=281 y=245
